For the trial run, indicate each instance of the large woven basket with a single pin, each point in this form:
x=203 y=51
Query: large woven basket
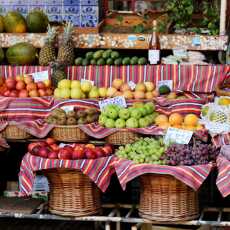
x=69 y=133
x=122 y=137
x=15 y=133
x=164 y=198
x=72 y=193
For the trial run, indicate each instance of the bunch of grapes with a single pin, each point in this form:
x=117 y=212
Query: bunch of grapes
x=195 y=153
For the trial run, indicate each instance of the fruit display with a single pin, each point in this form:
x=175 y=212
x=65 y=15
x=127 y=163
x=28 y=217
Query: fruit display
x=13 y=22
x=24 y=86
x=144 y=150
x=76 y=117
x=140 y=115
x=195 y=153
x=50 y=149
x=21 y=53
x=109 y=57
x=176 y=120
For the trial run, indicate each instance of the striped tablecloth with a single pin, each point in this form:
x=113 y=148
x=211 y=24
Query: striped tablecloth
x=193 y=176
x=98 y=170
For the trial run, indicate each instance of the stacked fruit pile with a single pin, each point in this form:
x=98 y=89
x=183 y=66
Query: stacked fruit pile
x=145 y=150
x=76 y=117
x=195 y=153
x=109 y=57
x=50 y=149
x=24 y=86
x=140 y=115
x=176 y=120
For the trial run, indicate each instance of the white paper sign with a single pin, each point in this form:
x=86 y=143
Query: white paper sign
x=154 y=56
x=84 y=80
x=40 y=76
x=41 y=184
x=120 y=100
x=180 y=53
x=196 y=41
x=169 y=83
x=179 y=136
x=61 y=145
x=132 y=85
x=68 y=108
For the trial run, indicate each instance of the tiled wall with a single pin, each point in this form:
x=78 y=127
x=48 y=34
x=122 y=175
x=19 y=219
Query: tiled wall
x=84 y=13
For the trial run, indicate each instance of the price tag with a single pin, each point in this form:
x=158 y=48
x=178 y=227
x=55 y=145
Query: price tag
x=132 y=85
x=84 y=80
x=169 y=83
x=68 y=108
x=179 y=136
x=180 y=53
x=115 y=101
x=41 y=184
x=40 y=76
x=61 y=145
x=154 y=56
x=196 y=41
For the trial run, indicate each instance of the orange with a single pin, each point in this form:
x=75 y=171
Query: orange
x=161 y=119
x=191 y=120
x=164 y=125
x=175 y=119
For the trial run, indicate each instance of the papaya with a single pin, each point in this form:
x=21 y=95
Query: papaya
x=1 y=23
x=37 y=21
x=14 y=22
x=1 y=55
x=21 y=54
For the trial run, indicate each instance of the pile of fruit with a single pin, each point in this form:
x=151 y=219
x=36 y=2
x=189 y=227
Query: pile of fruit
x=176 y=120
x=109 y=57
x=145 y=150
x=195 y=153
x=76 y=117
x=24 y=86
x=140 y=115
x=50 y=149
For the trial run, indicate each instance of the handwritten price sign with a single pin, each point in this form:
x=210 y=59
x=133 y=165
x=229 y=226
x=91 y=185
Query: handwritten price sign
x=114 y=101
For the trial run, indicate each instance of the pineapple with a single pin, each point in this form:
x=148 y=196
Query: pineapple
x=66 y=50
x=58 y=73
x=47 y=53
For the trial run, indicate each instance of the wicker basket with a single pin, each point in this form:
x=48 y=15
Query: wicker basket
x=164 y=198
x=70 y=133
x=122 y=137
x=15 y=133
x=72 y=193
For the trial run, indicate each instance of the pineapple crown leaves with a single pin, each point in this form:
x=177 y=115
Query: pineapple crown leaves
x=51 y=34
x=68 y=31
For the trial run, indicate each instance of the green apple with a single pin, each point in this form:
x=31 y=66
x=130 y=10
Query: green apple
x=111 y=112
x=143 y=122
x=86 y=86
x=143 y=111
x=138 y=105
x=135 y=113
x=150 y=107
x=124 y=114
x=57 y=93
x=120 y=123
x=132 y=123
x=102 y=119
x=102 y=92
x=94 y=93
x=64 y=84
x=76 y=93
x=75 y=84
x=109 y=123
x=65 y=93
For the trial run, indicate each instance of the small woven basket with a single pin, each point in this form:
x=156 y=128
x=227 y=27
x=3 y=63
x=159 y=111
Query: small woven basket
x=15 y=133
x=164 y=198
x=69 y=133
x=72 y=193
x=122 y=137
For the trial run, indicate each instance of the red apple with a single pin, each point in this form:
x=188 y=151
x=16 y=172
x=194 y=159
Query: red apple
x=6 y=93
x=28 y=79
x=54 y=147
x=42 y=143
x=78 y=154
x=36 y=150
x=14 y=93
x=20 y=85
x=49 y=92
x=10 y=83
x=89 y=153
x=108 y=149
x=69 y=148
x=53 y=155
x=91 y=146
x=50 y=141
x=23 y=93
x=41 y=85
x=43 y=152
x=77 y=146
x=32 y=145
x=99 y=152
x=41 y=92
x=64 y=154
x=31 y=86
